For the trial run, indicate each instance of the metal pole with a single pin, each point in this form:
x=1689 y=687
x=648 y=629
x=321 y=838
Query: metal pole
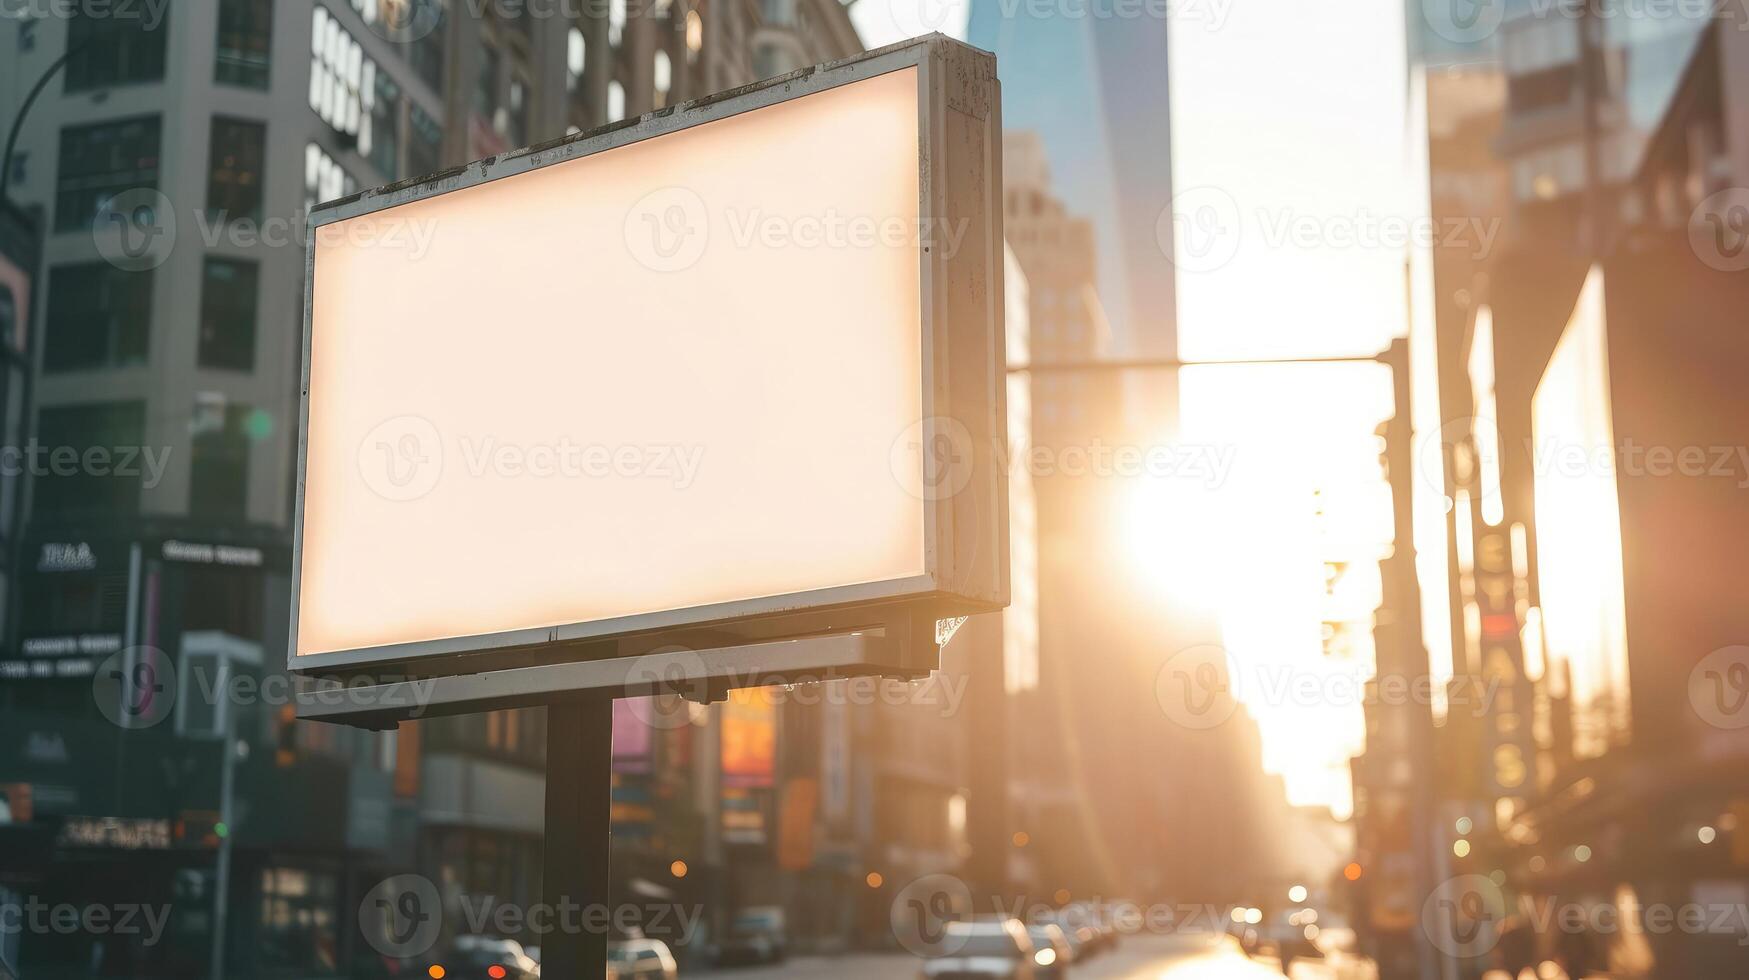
x=1173 y=364
x=574 y=866
x=222 y=872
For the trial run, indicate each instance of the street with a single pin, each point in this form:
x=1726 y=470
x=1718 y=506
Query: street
x=1139 y=958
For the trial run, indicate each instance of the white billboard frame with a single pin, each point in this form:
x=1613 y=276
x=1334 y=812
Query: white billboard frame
x=962 y=389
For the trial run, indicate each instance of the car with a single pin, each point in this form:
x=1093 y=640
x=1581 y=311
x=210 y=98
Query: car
x=1052 y=952
x=642 y=959
x=984 y=949
x=475 y=955
x=1083 y=939
x=755 y=935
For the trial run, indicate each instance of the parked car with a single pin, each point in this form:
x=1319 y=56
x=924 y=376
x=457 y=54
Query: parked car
x=985 y=949
x=642 y=959
x=474 y=955
x=755 y=935
x=1052 y=953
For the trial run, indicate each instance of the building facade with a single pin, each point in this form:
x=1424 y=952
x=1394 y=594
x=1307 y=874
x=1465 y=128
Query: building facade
x=1578 y=364
x=173 y=156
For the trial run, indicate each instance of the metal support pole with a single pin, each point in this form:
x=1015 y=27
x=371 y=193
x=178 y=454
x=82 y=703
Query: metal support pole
x=574 y=864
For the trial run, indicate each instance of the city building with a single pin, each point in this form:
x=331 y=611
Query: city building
x=1578 y=363
x=174 y=156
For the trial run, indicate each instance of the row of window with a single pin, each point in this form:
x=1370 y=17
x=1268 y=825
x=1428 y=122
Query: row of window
x=98 y=316
x=113 y=49
x=218 y=460
x=102 y=160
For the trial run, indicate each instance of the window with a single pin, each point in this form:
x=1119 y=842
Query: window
x=424 y=142
x=616 y=21
x=236 y=156
x=385 y=127
x=298 y=922
x=227 y=314
x=98 y=317
x=122 y=46
x=100 y=161
x=426 y=54
x=342 y=80
x=662 y=72
x=245 y=40
x=515 y=127
x=576 y=56
x=85 y=492
x=324 y=180
x=218 y=479
x=616 y=101
x=486 y=84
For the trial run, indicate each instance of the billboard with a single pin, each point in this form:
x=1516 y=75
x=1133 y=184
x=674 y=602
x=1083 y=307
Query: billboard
x=741 y=360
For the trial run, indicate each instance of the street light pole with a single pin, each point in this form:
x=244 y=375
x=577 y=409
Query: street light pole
x=24 y=110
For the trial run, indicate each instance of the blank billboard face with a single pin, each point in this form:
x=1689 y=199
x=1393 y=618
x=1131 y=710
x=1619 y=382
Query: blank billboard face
x=681 y=372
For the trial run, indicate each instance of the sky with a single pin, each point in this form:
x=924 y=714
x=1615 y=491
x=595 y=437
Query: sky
x=1292 y=216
